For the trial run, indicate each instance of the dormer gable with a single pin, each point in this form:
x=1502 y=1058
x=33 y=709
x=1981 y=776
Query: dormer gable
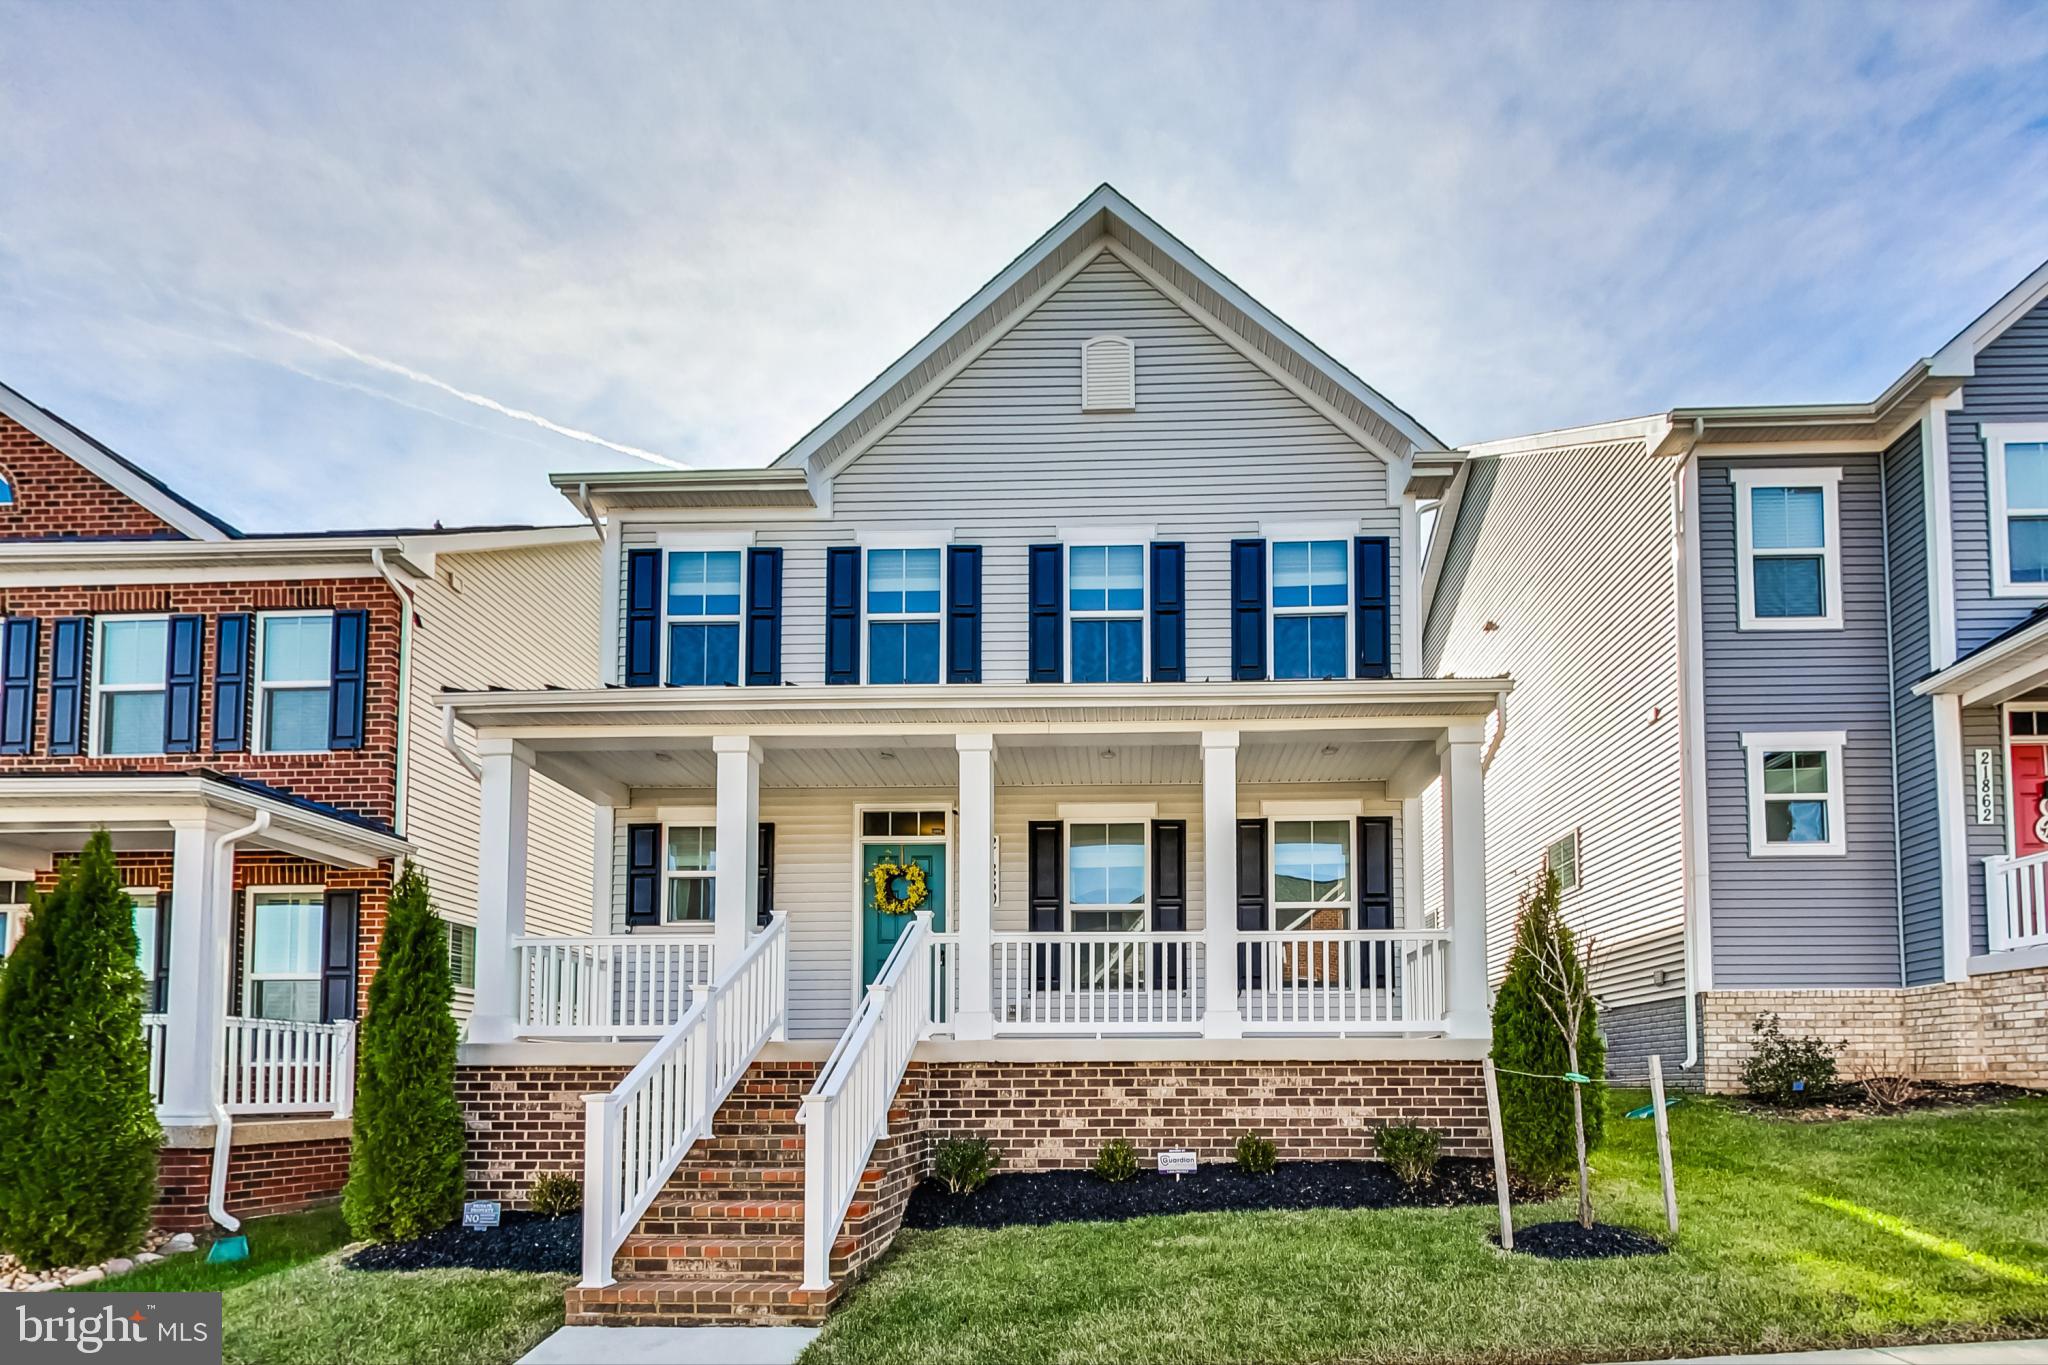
x=60 y=483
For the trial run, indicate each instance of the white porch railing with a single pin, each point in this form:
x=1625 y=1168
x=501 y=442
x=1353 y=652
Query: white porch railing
x=945 y=977
x=2016 y=902
x=848 y=1109
x=613 y=985
x=1141 y=981
x=635 y=1136
x=153 y=1026
x=278 y=1066
x=1343 y=980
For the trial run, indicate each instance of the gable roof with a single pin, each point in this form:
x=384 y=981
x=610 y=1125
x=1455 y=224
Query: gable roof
x=116 y=470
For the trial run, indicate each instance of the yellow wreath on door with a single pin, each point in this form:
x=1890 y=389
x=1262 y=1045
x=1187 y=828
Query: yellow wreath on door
x=915 y=890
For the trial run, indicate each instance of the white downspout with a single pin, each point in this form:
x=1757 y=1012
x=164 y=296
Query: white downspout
x=476 y=769
x=1691 y=736
x=223 y=1123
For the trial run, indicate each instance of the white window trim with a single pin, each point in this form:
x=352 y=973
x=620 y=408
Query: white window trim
x=1997 y=435
x=1070 y=614
x=1756 y=743
x=1828 y=478
x=97 y=714
x=1346 y=613
x=1068 y=905
x=262 y=737
x=456 y=926
x=868 y=618
x=669 y=874
x=726 y=545
x=1350 y=901
x=250 y=896
x=1578 y=859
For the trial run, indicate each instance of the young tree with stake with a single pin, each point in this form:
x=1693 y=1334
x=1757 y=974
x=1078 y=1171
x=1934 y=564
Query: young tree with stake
x=1566 y=973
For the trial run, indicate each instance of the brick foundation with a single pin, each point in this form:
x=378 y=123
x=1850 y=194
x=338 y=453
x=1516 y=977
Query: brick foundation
x=263 y=1178
x=1987 y=1029
x=524 y=1121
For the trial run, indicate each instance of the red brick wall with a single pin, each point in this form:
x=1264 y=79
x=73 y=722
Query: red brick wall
x=362 y=781
x=54 y=496
x=266 y=1177
x=525 y=1120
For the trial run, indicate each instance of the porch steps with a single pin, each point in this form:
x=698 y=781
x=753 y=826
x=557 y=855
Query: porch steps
x=723 y=1242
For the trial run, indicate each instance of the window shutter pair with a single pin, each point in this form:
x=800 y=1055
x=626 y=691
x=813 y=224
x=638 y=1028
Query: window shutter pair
x=962 y=615
x=1166 y=604
x=1372 y=608
x=761 y=618
x=338 y=956
x=643 y=875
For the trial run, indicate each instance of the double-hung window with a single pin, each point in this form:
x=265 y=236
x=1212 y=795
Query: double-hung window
x=1788 y=531
x=1311 y=874
x=1311 y=598
x=462 y=955
x=283 y=976
x=128 y=687
x=903 y=601
x=690 y=874
x=1795 y=792
x=2017 y=478
x=294 y=680
x=703 y=600
x=1106 y=613
x=1562 y=857
x=1106 y=876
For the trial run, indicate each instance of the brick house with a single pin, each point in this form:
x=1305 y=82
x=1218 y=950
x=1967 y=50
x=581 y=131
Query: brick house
x=232 y=708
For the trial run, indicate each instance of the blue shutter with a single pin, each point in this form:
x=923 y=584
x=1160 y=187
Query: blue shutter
x=67 y=684
x=1373 y=585
x=338 y=956
x=764 y=618
x=1169 y=612
x=643 y=618
x=963 y=613
x=182 y=666
x=643 y=874
x=842 y=613
x=18 y=684
x=231 y=683
x=1047 y=664
x=351 y=667
x=1247 y=608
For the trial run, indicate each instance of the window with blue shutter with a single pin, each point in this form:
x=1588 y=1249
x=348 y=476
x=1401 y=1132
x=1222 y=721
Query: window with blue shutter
x=643 y=874
x=1311 y=591
x=1044 y=601
x=350 y=673
x=842 y=614
x=1374 y=586
x=231 y=683
x=1251 y=900
x=338 y=956
x=68 y=685
x=18 y=684
x=904 y=606
x=1106 y=613
x=128 y=663
x=703 y=609
x=1169 y=612
x=643 y=618
x=1247 y=609
x=1046 y=896
x=764 y=618
x=187 y=638
x=963 y=613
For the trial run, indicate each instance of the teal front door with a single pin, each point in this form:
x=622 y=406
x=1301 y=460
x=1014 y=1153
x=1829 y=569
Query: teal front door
x=879 y=932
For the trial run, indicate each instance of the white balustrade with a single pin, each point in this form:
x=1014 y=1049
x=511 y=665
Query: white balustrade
x=153 y=1026
x=617 y=985
x=847 y=1110
x=1142 y=981
x=2016 y=902
x=1343 y=980
x=945 y=977
x=635 y=1136
x=280 y=1066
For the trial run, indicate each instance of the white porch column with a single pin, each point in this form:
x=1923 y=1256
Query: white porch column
x=975 y=886
x=1221 y=1018
x=500 y=886
x=737 y=891
x=202 y=935
x=1951 y=808
x=1458 y=758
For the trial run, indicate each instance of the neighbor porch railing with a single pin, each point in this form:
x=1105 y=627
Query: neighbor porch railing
x=153 y=1026
x=610 y=985
x=944 y=950
x=1142 y=981
x=635 y=1136
x=272 y=1066
x=2016 y=902
x=1343 y=980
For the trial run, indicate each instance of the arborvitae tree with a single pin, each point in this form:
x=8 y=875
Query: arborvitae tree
x=405 y=1170
x=78 y=1129
x=1536 y=1114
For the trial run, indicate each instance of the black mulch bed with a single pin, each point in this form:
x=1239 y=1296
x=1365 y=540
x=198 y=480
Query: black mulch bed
x=524 y=1241
x=1570 y=1242
x=1043 y=1197
x=1850 y=1101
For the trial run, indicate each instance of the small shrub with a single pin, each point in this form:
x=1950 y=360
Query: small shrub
x=1257 y=1155
x=964 y=1164
x=555 y=1194
x=1888 y=1092
x=1788 y=1071
x=1411 y=1152
x=1117 y=1161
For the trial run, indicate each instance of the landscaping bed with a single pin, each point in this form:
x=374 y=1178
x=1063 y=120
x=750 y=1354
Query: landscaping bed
x=1848 y=1101
x=1567 y=1241
x=523 y=1241
x=1040 y=1198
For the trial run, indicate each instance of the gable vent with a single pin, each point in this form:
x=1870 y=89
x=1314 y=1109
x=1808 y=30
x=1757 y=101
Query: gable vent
x=1109 y=375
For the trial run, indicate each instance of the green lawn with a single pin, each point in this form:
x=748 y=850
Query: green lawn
x=1929 y=1227
x=274 y=1244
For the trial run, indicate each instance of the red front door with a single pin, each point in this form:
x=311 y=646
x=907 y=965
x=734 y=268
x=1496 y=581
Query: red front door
x=2029 y=798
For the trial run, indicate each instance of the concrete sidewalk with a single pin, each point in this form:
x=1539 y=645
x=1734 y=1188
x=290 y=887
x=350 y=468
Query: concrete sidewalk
x=1958 y=1353
x=671 y=1346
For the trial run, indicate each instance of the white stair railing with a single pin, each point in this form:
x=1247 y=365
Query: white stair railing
x=636 y=1136
x=848 y=1109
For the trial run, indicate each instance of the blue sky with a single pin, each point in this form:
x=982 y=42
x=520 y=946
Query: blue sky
x=267 y=250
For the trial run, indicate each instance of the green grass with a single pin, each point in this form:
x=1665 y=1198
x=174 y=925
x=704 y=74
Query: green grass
x=1793 y=1236
x=275 y=1244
